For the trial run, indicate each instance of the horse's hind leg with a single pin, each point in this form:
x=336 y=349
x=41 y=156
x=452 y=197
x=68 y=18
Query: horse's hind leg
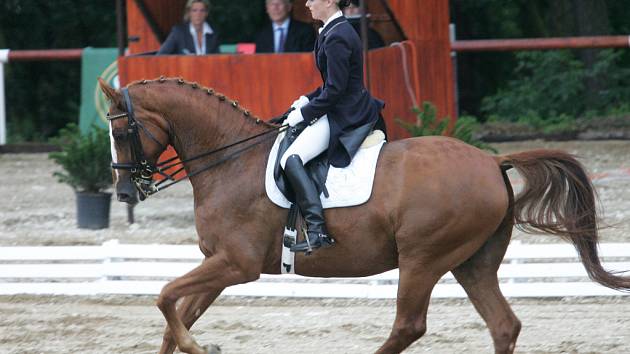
x=189 y=310
x=478 y=276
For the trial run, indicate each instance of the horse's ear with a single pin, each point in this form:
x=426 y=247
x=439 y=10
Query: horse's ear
x=112 y=94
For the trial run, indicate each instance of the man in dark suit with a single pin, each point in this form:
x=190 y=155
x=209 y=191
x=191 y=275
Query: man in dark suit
x=284 y=34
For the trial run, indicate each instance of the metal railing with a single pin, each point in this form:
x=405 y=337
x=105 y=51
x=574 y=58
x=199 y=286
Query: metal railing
x=540 y=43
x=7 y=56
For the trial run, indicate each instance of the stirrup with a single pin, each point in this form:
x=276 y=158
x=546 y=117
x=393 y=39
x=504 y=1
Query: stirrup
x=322 y=240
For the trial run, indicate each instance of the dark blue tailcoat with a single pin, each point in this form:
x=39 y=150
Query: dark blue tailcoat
x=352 y=111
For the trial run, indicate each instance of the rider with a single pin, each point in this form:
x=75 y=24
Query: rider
x=340 y=114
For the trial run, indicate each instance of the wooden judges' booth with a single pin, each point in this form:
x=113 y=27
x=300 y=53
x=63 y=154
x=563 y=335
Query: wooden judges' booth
x=417 y=69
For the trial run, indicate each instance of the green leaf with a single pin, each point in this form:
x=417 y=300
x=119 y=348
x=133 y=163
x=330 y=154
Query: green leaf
x=427 y=125
x=84 y=158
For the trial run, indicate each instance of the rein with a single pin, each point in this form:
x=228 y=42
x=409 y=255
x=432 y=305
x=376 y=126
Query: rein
x=142 y=171
x=163 y=165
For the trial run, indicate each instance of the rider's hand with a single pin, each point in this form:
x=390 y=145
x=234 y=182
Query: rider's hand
x=277 y=120
x=294 y=118
x=300 y=102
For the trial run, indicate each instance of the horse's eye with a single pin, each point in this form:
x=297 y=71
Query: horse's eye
x=120 y=134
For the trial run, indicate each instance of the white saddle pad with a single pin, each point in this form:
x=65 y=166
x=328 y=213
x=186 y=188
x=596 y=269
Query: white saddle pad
x=346 y=186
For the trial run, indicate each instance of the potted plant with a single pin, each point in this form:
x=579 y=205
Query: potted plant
x=86 y=161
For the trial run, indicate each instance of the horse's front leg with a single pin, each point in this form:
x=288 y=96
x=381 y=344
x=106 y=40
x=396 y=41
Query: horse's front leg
x=189 y=310
x=213 y=275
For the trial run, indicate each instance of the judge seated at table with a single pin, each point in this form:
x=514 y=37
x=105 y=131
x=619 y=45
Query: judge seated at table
x=194 y=36
x=284 y=34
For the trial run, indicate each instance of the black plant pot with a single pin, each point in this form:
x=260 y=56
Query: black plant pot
x=93 y=210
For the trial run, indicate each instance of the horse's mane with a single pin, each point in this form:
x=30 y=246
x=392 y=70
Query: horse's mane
x=210 y=92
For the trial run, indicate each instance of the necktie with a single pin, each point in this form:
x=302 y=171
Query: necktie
x=281 y=40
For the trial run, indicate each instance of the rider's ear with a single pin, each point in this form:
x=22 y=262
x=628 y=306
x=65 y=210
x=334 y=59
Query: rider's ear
x=112 y=94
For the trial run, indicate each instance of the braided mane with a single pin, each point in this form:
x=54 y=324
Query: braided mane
x=210 y=92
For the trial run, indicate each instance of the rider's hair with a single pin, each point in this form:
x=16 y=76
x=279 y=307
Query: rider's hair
x=190 y=3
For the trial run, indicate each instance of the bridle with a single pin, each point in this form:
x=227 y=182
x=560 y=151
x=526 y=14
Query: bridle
x=142 y=170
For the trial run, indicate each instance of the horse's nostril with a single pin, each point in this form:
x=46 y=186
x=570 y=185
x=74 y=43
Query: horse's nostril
x=123 y=197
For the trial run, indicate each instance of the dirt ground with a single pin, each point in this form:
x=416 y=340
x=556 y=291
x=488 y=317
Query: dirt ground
x=278 y=326
x=36 y=210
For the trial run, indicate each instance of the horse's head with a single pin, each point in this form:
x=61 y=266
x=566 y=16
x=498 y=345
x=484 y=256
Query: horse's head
x=138 y=136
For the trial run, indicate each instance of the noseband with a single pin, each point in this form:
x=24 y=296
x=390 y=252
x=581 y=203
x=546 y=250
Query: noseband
x=142 y=170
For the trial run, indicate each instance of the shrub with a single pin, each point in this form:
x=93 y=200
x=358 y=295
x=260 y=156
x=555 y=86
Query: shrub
x=549 y=89
x=427 y=124
x=85 y=159
x=546 y=84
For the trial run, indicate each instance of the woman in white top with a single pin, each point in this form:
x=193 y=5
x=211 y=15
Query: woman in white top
x=194 y=36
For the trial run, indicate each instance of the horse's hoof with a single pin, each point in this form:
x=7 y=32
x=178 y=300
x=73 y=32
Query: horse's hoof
x=213 y=349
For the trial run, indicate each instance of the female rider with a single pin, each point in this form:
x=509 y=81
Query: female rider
x=340 y=114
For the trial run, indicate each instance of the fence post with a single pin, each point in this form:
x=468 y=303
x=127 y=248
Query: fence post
x=453 y=37
x=108 y=258
x=515 y=244
x=4 y=58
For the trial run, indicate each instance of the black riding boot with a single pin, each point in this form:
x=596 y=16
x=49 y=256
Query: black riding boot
x=310 y=205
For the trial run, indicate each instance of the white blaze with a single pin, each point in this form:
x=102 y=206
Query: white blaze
x=113 y=147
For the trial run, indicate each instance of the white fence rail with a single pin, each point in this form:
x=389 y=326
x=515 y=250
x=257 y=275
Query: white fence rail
x=544 y=270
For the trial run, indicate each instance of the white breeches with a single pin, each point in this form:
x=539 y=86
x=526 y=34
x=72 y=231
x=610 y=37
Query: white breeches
x=312 y=142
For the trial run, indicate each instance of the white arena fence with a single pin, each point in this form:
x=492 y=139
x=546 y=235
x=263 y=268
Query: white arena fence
x=528 y=270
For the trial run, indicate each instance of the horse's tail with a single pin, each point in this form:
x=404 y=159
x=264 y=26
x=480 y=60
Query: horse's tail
x=558 y=198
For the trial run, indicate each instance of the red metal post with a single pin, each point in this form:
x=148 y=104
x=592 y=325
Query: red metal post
x=45 y=55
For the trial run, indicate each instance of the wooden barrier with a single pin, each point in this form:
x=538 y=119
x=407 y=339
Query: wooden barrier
x=542 y=270
x=394 y=79
x=164 y=13
x=264 y=84
x=267 y=84
x=425 y=24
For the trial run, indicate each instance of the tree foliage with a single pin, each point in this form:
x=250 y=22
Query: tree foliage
x=42 y=97
x=505 y=75
x=549 y=88
x=545 y=85
x=237 y=20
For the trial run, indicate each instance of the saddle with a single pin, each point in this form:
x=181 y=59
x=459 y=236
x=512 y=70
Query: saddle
x=340 y=187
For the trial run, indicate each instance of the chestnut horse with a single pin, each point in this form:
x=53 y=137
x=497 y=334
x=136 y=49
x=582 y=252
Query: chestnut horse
x=438 y=205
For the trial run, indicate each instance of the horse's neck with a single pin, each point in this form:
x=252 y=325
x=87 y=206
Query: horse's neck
x=207 y=124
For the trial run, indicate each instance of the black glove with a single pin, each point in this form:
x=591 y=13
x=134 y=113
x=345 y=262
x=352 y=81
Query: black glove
x=277 y=120
x=280 y=119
